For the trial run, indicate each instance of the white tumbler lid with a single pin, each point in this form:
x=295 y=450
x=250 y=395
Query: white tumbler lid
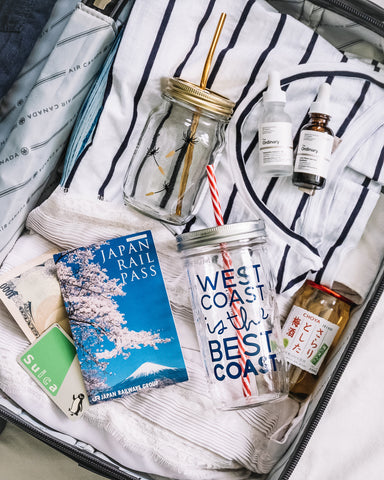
x=251 y=230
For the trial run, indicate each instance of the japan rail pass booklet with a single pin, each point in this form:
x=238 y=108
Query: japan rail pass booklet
x=120 y=317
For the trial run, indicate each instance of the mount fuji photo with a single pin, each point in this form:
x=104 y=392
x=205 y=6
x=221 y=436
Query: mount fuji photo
x=120 y=317
x=149 y=373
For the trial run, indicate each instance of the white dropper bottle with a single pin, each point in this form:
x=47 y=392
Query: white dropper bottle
x=275 y=131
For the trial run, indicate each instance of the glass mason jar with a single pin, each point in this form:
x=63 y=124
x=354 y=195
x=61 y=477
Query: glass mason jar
x=235 y=313
x=181 y=137
x=313 y=326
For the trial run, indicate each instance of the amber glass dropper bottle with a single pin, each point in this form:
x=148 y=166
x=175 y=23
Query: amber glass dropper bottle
x=315 y=146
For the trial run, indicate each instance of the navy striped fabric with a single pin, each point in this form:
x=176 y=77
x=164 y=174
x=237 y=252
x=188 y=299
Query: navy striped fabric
x=309 y=236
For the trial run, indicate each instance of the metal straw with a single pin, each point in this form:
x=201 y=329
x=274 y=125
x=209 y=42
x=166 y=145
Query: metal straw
x=195 y=119
x=208 y=61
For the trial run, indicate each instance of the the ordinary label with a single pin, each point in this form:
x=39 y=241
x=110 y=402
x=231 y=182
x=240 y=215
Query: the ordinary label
x=314 y=153
x=276 y=144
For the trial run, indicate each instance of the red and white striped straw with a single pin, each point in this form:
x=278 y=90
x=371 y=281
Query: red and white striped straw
x=214 y=195
x=228 y=265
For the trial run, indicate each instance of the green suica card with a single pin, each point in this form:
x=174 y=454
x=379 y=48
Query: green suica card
x=53 y=364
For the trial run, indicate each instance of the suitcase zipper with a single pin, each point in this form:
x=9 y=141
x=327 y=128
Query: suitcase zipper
x=330 y=388
x=361 y=16
x=84 y=459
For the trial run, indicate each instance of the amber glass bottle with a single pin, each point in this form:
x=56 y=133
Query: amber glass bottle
x=315 y=145
x=313 y=327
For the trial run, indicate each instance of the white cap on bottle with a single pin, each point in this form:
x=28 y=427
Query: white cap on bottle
x=274 y=92
x=321 y=104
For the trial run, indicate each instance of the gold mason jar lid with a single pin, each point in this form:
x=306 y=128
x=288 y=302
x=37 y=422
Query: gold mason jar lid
x=200 y=97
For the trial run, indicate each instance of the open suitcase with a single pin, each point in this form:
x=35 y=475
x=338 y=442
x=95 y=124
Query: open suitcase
x=351 y=33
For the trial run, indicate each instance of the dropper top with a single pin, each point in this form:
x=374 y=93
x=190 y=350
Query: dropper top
x=321 y=104
x=274 y=92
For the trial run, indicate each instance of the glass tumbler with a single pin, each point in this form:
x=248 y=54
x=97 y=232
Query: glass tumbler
x=181 y=137
x=235 y=313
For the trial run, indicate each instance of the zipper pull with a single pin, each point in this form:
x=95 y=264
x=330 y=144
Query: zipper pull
x=111 y=8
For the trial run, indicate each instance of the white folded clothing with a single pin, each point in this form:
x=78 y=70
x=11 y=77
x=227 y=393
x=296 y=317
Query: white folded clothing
x=308 y=235
x=175 y=431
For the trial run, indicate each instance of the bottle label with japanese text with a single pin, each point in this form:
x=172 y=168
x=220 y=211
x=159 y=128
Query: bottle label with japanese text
x=307 y=338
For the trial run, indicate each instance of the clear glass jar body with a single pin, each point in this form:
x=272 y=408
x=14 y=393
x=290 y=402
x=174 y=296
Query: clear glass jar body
x=275 y=141
x=165 y=176
x=312 y=329
x=236 y=320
